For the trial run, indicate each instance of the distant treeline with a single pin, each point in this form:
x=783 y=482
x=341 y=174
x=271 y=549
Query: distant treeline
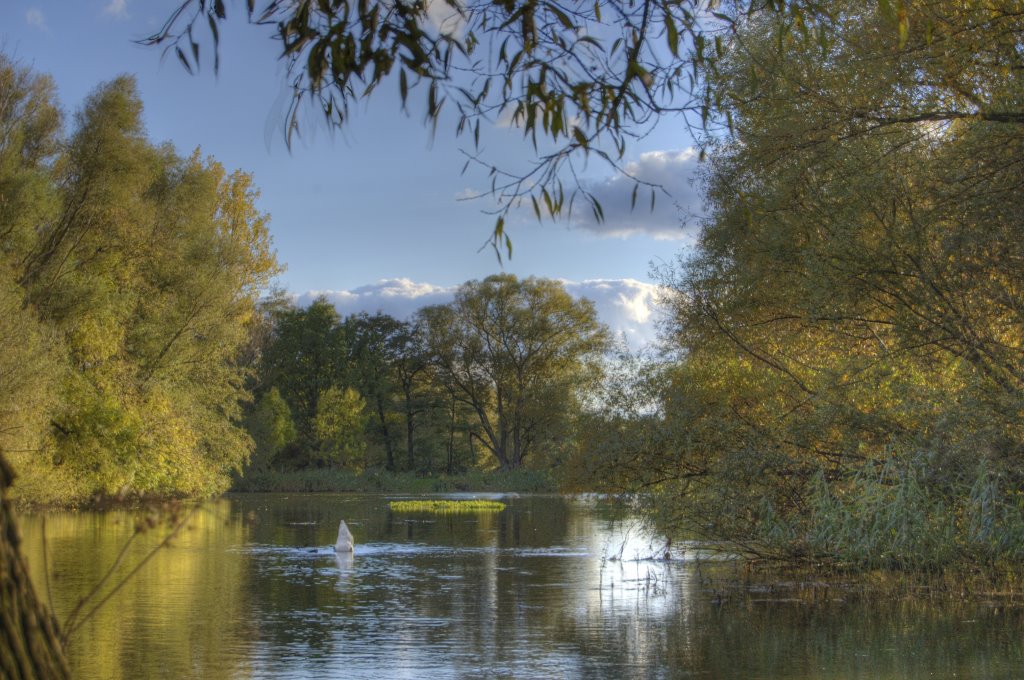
x=137 y=358
x=495 y=379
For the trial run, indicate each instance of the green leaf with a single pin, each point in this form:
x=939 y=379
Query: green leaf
x=581 y=137
x=903 y=25
x=562 y=17
x=183 y=59
x=672 y=35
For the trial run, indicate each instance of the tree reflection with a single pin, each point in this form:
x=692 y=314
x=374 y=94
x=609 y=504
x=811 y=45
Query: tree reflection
x=256 y=590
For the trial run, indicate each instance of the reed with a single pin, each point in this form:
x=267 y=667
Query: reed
x=446 y=506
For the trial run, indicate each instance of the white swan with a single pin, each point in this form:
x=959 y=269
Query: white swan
x=345 y=543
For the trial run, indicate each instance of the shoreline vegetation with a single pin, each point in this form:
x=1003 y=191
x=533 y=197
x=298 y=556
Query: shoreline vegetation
x=329 y=481
x=841 y=382
x=341 y=481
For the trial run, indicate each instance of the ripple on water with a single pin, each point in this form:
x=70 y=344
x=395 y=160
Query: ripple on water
x=410 y=549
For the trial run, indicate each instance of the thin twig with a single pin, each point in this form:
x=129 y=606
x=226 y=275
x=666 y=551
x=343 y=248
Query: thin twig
x=163 y=544
x=69 y=623
x=46 y=568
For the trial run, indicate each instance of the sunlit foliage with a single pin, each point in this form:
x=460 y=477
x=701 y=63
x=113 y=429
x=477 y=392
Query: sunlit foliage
x=129 y=275
x=519 y=354
x=851 y=365
x=495 y=378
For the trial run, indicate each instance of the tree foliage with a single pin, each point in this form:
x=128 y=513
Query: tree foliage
x=272 y=429
x=850 y=323
x=374 y=351
x=516 y=353
x=496 y=377
x=339 y=424
x=129 y=276
x=306 y=357
x=580 y=79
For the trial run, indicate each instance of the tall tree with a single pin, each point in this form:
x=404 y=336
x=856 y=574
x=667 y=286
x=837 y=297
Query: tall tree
x=127 y=277
x=148 y=274
x=339 y=426
x=411 y=363
x=516 y=352
x=30 y=123
x=372 y=353
x=307 y=357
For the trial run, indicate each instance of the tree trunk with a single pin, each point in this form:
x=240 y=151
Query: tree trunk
x=451 y=438
x=517 y=449
x=409 y=431
x=30 y=646
x=387 y=435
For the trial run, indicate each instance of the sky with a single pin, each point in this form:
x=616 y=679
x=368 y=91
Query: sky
x=374 y=217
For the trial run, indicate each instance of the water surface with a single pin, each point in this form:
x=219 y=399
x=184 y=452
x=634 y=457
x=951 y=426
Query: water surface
x=550 y=587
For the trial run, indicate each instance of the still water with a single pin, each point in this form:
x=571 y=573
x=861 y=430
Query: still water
x=550 y=587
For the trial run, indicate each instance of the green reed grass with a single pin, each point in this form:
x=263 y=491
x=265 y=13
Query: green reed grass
x=447 y=506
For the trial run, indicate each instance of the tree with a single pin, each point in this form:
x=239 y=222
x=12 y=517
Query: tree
x=31 y=122
x=339 y=424
x=516 y=352
x=372 y=353
x=127 y=277
x=411 y=363
x=307 y=357
x=580 y=79
x=271 y=427
x=855 y=299
x=143 y=271
x=30 y=646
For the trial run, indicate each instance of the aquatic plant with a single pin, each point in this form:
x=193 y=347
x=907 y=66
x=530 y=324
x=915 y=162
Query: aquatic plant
x=447 y=506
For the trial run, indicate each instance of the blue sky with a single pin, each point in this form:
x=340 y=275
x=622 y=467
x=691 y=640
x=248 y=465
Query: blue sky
x=371 y=216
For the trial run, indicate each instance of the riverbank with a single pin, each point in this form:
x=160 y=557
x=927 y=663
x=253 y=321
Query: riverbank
x=311 y=481
x=336 y=481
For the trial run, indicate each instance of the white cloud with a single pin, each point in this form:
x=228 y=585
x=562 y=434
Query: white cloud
x=628 y=306
x=398 y=297
x=671 y=170
x=117 y=9
x=34 y=17
x=445 y=16
x=468 y=194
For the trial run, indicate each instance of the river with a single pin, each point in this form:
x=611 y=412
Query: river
x=550 y=587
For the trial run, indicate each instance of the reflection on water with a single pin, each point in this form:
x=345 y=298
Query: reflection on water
x=550 y=587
